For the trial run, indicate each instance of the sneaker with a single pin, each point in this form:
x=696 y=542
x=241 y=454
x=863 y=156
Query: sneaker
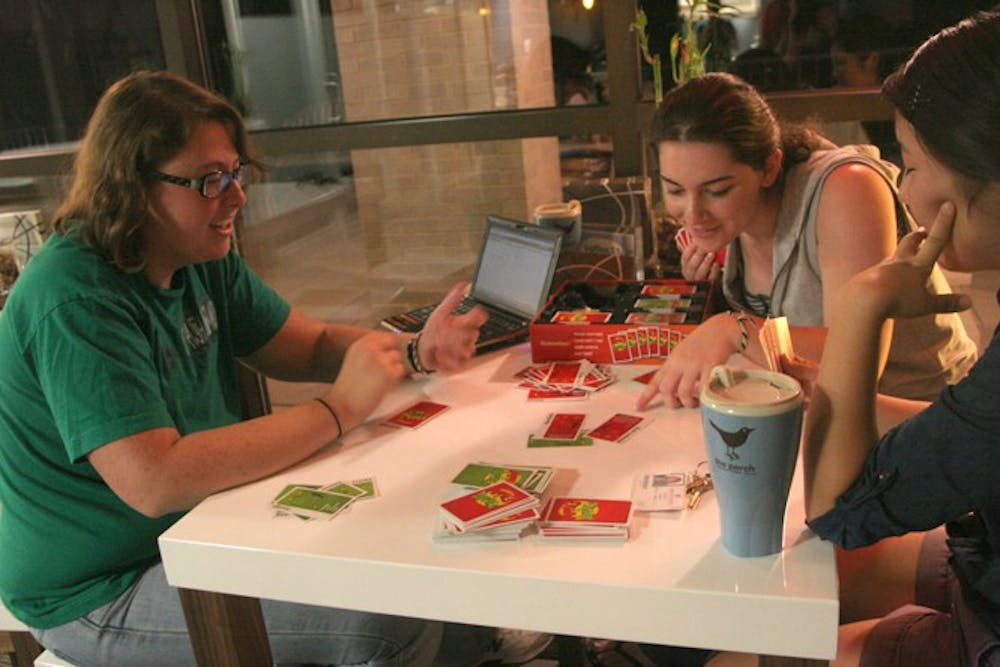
x=514 y=647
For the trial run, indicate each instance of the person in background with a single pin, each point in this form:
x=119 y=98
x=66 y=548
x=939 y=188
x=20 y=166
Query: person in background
x=919 y=598
x=865 y=51
x=121 y=409
x=798 y=217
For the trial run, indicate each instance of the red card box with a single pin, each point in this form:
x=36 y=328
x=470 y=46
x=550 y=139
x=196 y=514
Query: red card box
x=564 y=340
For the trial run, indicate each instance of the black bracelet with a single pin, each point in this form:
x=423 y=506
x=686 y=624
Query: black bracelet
x=413 y=356
x=340 y=429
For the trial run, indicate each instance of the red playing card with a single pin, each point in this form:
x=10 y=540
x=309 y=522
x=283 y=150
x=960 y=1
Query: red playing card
x=563 y=426
x=618 y=342
x=645 y=378
x=486 y=503
x=604 y=511
x=564 y=372
x=417 y=414
x=616 y=428
x=580 y=317
x=663 y=290
x=556 y=394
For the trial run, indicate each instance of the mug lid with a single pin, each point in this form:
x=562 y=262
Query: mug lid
x=755 y=390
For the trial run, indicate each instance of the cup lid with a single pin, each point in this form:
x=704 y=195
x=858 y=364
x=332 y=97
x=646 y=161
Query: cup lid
x=751 y=390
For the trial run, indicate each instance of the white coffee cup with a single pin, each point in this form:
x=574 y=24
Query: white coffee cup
x=565 y=216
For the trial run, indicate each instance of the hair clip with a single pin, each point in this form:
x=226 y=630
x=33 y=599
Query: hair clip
x=914 y=100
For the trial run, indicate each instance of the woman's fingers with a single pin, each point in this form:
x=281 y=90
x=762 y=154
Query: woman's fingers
x=937 y=238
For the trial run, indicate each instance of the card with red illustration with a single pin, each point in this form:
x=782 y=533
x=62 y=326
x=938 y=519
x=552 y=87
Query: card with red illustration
x=569 y=511
x=669 y=291
x=564 y=373
x=486 y=504
x=417 y=414
x=616 y=428
x=580 y=317
x=563 y=426
x=618 y=342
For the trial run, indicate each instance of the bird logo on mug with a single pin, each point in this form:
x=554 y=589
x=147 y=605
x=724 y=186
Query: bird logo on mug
x=732 y=439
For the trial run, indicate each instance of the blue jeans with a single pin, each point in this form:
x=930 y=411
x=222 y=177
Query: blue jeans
x=145 y=627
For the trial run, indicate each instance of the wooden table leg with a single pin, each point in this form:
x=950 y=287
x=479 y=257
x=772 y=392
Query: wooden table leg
x=226 y=630
x=26 y=649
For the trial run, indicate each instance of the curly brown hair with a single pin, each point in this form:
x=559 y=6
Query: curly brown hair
x=140 y=122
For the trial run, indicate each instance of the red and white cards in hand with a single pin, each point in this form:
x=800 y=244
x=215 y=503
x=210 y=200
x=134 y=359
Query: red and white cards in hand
x=776 y=341
x=683 y=240
x=568 y=518
x=499 y=511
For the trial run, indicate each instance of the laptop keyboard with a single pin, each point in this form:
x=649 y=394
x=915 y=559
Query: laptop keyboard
x=499 y=323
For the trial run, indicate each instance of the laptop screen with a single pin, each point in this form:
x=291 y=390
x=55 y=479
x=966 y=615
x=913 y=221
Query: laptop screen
x=516 y=266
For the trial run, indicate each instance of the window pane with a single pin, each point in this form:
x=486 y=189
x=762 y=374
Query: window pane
x=57 y=57
x=314 y=62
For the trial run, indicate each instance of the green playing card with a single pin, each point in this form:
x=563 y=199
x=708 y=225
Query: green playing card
x=581 y=441
x=313 y=503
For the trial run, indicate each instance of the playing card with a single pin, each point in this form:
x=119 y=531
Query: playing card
x=557 y=395
x=486 y=504
x=668 y=291
x=645 y=378
x=579 y=441
x=563 y=426
x=366 y=484
x=564 y=373
x=569 y=511
x=655 y=318
x=484 y=474
x=618 y=342
x=312 y=503
x=776 y=340
x=580 y=317
x=617 y=428
x=417 y=414
x=345 y=489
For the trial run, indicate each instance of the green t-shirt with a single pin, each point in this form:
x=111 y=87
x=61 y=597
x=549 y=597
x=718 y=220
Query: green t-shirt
x=88 y=355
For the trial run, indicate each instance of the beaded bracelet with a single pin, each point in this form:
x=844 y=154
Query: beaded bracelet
x=329 y=408
x=742 y=319
x=413 y=356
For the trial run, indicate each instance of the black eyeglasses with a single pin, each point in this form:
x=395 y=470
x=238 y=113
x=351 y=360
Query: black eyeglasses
x=210 y=185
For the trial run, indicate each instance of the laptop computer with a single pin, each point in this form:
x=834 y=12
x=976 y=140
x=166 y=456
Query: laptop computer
x=512 y=281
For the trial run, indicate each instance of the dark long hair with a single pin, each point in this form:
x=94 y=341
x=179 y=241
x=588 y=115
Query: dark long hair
x=140 y=122
x=722 y=108
x=949 y=91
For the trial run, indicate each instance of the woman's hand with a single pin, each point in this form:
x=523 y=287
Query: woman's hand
x=372 y=367
x=448 y=341
x=802 y=369
x=898 y=286
x=697 y=264
x=680 y=378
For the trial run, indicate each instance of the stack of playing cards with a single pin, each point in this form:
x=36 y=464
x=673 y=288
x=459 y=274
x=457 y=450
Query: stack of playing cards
x=645 y=342
x=534 y=479
x=491 y=518
x=564 y=379
x=776 y=341
x=499 y=511
x=566 y=518
x=313 y=502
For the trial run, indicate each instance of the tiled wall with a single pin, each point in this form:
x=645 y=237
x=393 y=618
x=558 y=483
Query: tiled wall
x=400 y=59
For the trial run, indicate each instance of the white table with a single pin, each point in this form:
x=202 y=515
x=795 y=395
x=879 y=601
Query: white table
x=671 y=583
